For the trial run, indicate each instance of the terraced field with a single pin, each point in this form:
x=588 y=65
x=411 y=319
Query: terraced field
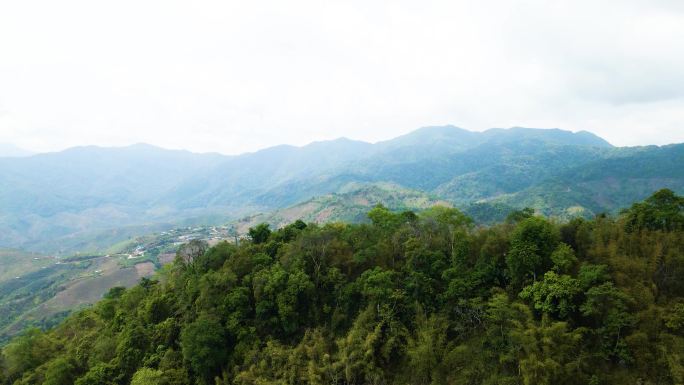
x=50 y=288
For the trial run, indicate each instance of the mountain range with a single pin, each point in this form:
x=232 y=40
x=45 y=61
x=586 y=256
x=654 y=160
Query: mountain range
x=76 y=199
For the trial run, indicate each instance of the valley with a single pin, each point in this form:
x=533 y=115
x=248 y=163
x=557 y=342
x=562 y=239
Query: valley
x=38 y=290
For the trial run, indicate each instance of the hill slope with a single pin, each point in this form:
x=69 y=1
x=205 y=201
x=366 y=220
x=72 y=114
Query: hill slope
x=350 y=204
x=606 y=185
x=401 y=300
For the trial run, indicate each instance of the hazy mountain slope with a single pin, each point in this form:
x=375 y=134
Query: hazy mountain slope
x=503 y=175
x=50 y=200
x=14 y=263
x=440 y=139
x=78 y=198
x=454 y=139
x=606 y=185
x=349 y=205
x=84 y=177
x=236 y=181
x=510 y=167
x=423 y=159
x=484 y=171
x=552 y=136
x=57 y=194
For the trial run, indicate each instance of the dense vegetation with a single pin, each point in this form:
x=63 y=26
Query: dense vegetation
x=405 y=299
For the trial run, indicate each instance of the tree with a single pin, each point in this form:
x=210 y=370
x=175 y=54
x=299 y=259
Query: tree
x=555 y=295
x=384 y=219
x=519 y=215
x=448 y=216
x=563 y=259
x=380 y=291
x=427 y=350
x=371 y=348
x=192 y=250
x=591 y=275
x=290 y=232
x=281 y=299
x=501 y=318
x=674 y=319
x=148 y=376
x=523 y=260
x=171 y=365
x=100 y=374
x=532 y=242
x=61 y=371
x=215 y=257
x=293 y=301
x=130 y=350
x=606 y=305
x=547 y=352
x=203 y=343
x=308 y=362
x=260 y=233
x=664 y=210
x=26 y=352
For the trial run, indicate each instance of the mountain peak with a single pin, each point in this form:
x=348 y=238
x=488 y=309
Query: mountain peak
x=448 y=130
x=448 y=135
x=341 y=141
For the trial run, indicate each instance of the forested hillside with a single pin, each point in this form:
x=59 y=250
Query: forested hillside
x=350 y=205
x=605 y=184
x=404 y=299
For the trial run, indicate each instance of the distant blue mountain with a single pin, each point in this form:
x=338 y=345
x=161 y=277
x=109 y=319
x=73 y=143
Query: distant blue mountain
x=50 y=201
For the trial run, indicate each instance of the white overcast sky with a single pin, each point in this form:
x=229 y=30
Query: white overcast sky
x=236 y=76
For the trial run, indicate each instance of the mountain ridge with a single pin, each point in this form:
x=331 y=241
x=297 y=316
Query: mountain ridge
x=92 y=189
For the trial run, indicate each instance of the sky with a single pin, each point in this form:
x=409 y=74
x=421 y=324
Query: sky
x=237 y=76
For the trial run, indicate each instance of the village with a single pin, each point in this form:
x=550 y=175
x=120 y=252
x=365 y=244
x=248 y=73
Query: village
x=160 y=248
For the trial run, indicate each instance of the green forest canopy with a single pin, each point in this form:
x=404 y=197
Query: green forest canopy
x=406 y=299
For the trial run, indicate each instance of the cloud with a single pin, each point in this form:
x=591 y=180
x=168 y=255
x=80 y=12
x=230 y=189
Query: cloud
x=238 y=76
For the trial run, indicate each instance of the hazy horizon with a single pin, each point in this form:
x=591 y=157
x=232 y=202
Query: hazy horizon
x=4 y=146
x=231 y=77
